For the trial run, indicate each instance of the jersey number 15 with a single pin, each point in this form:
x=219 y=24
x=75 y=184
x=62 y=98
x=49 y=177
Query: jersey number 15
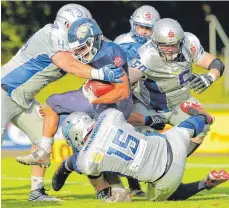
x=131 y=143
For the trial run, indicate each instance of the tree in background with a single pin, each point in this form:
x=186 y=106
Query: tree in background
x=21 y=20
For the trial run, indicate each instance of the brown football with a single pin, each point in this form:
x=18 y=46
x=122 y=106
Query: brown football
x=99 y=88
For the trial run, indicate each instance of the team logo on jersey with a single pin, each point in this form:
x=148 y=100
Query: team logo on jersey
x=117 y=61
x=82 y=31
x=176 y=70
x=96 y=157
x=147 y=15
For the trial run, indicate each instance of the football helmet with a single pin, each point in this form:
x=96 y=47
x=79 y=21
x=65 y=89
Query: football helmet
x=143 y=16
x=67 y=14
x=168 y=36
x=84 y=37
x=76 y=127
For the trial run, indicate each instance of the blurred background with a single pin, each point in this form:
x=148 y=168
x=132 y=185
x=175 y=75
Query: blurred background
x=207 y=20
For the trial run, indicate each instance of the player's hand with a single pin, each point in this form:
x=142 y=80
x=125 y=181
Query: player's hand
x=201 y=82
x=88 y=94
x=156 y=122
x=109 y=73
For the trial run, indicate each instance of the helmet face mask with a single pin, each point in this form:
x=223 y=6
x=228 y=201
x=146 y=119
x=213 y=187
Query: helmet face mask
x=84 y=37
x=85 y=52
x=168 y=37
x=169 y=51
x=143 y=17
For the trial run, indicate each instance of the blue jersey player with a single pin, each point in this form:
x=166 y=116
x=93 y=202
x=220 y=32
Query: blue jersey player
x=85 y=40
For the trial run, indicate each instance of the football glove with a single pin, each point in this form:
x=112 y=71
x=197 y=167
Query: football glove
x=88 y=94
x=155 y=122
x=201 y=82
x=109 y=73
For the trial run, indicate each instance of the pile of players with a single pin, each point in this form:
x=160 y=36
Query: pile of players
x=151 y=70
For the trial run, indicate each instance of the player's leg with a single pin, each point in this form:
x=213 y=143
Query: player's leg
x=9 y=109
x=64 y=103
x=124 y=106
x=179 y=139
x=107 y=187
x=213 y=179
x=30 y=122
x=179 y=116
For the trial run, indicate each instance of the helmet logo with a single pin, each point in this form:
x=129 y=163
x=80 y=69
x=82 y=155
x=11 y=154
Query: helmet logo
x=147 y=15
x=82 y=31
x=171 y=38
x=117 y=61
x=193 y=48
x=75 y=12
x=171 y=34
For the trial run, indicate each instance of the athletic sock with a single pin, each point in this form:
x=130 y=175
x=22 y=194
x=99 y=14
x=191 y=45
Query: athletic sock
x=133 y=184
x=37 y=182
x=184 y=191
x=46 y=143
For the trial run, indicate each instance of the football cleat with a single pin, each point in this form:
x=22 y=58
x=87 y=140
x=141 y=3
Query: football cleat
x=215 y=178
x=60 y=176
x=195 y=109
x=40 y=157
x=40 y=195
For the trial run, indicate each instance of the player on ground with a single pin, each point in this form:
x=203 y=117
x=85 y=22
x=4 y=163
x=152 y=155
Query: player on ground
x=141 y=23
x=163 y=67
x=158 y=159
x=43 y=59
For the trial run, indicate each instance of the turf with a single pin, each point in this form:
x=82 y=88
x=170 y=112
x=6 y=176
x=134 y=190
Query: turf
x=78 y=193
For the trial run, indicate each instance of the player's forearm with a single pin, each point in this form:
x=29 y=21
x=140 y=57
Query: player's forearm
x=66 y=62
x=80 y=70
x=120 y=92
x=136 y=119
x=113 y=96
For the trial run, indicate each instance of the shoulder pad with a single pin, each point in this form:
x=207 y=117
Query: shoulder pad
x=124 y=38
x=192 y=43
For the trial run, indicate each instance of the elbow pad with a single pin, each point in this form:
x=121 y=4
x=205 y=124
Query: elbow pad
x=217 y=64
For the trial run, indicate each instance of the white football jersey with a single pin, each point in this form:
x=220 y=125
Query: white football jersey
x=31 y=69
x=165 y=85
x=115 y=146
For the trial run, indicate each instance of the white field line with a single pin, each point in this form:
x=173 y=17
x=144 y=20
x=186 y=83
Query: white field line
x=28 y=179
x=188 y=166
x=203 y=165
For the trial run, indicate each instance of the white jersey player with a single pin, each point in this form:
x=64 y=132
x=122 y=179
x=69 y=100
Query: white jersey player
x=42 y=60
x=163 y=67
x=113 y=145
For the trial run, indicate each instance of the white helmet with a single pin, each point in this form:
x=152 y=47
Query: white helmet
x=76 y=127
x=69 y=13
x=168 y=37
x=144 y=16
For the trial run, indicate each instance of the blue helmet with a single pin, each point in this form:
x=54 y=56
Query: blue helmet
x=84 y=37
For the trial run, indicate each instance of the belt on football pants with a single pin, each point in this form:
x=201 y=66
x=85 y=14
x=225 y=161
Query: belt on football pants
x=169 y=159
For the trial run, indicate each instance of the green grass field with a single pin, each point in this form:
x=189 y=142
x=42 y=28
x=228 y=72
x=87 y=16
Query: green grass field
x=78 y=193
